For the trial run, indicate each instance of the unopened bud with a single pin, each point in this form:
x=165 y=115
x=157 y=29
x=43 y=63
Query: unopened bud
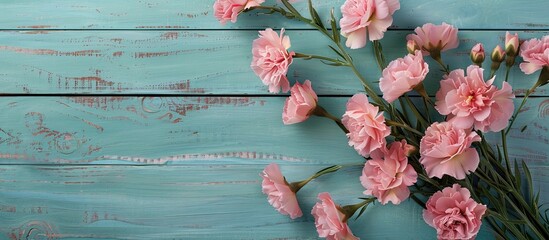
x=498 y=55
x=477 y=54
x=412 y=46
x=511 y=44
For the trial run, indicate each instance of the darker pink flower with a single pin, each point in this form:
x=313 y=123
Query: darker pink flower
x=228 y=10
x=402 y=75
x=433 y=39
x=454 y=214
x=279 y=193
x=271 y=59
x=301 y=103
x=367 y=129
x=330 y=221
x=366 y=19
x=469 y=101
x=535 y=53
x=446 y=149
x=387 y=175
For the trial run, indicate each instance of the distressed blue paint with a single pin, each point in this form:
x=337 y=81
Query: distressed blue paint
x=187 y=167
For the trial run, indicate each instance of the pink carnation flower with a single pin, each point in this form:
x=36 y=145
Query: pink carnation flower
x=364 y=19
x=402 y=75
x=469 y=101
x=330 y=221
x=301 y=103
x=535 y=53
x=367 y=129
x=228 y=10
x=387 y=175
x=279 y=193
x=446 y=149
x=435 y=38
x=511 y=44
x=454 y=214
x=271 y=59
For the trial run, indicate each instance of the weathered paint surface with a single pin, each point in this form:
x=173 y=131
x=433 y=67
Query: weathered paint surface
x=187 y=167
x=181 y=62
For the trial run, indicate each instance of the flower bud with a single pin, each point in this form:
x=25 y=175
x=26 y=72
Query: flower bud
x=511 y=44
x=477 y=54
x=412 y=46
x=498 y=55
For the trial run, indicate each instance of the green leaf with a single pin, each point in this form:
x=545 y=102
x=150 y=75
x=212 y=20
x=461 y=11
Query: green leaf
x=518 y=176
x=291 y=8
x=336 y=51
x=315 y=16
x=335 y=31
x=362 y=209
x=329 y=169
x=528 y=176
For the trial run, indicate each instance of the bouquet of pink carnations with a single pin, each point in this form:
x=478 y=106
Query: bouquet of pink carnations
x=441 y=161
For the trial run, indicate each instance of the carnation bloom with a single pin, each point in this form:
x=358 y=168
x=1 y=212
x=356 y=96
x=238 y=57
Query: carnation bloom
x=469 y=101
x=364 y=19
x=228 y=10
x=387 y=175
x=279 y=193
x=454 y=214
x=367 y=129
x=301 y=103
x=446 y=149
x=271 y=59
x=402 y=75
x=330 y=221
x=433 y=39
x=535 y=53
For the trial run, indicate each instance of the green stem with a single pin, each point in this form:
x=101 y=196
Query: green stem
x=321 y=112
x=296 y=186
x=311 y=56
x=404 y=126
x=517 y=112
x=438 y=59
x=350 y=210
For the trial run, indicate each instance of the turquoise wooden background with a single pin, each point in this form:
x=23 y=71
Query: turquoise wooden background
x=142 y=119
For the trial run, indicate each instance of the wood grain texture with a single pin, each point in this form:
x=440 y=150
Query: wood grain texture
x=195 y=130
x=121 y=167
x=197 y=14
x=200 y=62
x=186 y=202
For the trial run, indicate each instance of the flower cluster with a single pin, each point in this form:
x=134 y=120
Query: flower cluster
x=407 y=151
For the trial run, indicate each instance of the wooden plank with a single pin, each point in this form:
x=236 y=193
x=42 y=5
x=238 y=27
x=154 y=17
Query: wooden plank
x=197 y=14
x=196 y=201
x=196 y=130
x=197 y=62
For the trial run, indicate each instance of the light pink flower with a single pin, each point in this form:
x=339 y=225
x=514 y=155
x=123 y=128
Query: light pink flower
x=511 y=44
x=387 y=175
x=454 y=214
x=412 y=46
x=469 y=101
x=228 y=10
x=478 y=54
x=271 y=59
x=279 y=193
x=366 y=19
x=330 y=221
x=301 y=103
x=367 y=129
x=535 y=53
x=435 y=38
x=402 y=75
x=446 y=149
